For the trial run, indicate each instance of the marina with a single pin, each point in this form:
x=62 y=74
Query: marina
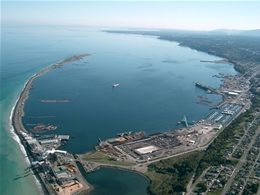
x=148 y=148
x=224 y=114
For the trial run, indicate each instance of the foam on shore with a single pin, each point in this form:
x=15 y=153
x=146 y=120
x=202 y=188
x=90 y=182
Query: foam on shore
x=12 y=131
x=17 y=139
x=12 y=114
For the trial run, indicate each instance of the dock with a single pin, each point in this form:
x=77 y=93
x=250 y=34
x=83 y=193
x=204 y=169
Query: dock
x=63 y=137
x=205 y=87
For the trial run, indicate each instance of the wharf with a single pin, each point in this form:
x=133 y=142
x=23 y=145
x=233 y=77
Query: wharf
x=63 y=137
x=205 y=87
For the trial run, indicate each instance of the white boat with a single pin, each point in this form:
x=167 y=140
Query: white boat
x=116 y=85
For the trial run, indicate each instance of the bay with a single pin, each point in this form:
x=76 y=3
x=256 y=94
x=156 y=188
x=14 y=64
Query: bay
x=156 y=88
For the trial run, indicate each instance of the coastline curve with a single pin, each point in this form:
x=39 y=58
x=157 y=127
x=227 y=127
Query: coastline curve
x=17 y=112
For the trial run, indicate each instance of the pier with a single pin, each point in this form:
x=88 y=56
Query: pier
x=205 y=87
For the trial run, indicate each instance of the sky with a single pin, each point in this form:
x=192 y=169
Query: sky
x=186 y=15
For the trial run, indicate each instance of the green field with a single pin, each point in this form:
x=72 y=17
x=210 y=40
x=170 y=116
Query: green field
x=101 y=157
x=172 y=175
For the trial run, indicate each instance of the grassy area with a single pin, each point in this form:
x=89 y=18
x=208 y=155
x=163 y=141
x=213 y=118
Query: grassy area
x=216 y=192
x=172 y=175
x=95 y=155
x=195 y=189
x=214 y=155
x=101 y=157
x=201 y=186
x=157 y=178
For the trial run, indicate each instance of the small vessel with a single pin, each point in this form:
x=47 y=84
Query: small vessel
x=116 y=85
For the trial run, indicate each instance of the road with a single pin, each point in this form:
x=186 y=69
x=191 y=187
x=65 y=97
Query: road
x=250 y=173
x=181 y=153
x=241 y=162
x=190 y=187
x=235 y=148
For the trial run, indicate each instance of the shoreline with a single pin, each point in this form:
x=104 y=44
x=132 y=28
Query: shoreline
x=110 y=167
x=17 y=112
x=18 y=109
x=16 y=137
x=24 y=114
x=130 y=169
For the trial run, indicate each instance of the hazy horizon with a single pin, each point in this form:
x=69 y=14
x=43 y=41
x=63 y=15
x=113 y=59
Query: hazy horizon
x=169 y=15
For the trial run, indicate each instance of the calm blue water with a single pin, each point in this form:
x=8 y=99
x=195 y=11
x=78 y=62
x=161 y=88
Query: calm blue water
x=156 y=88
x=123 y=182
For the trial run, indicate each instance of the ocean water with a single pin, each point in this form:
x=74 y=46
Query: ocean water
x=156 y=89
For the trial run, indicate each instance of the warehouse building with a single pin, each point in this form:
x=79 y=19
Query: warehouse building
x=146 y=150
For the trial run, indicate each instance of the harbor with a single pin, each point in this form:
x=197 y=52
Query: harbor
x=141 y=149
x=133 y=149
x=225 y=113
x=130 y=150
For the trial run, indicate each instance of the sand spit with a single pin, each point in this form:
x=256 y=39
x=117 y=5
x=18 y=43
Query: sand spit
x=18 y=112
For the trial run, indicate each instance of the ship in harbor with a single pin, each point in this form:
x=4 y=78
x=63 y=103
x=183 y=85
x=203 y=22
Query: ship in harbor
x=115 y=85
x=205 y=87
